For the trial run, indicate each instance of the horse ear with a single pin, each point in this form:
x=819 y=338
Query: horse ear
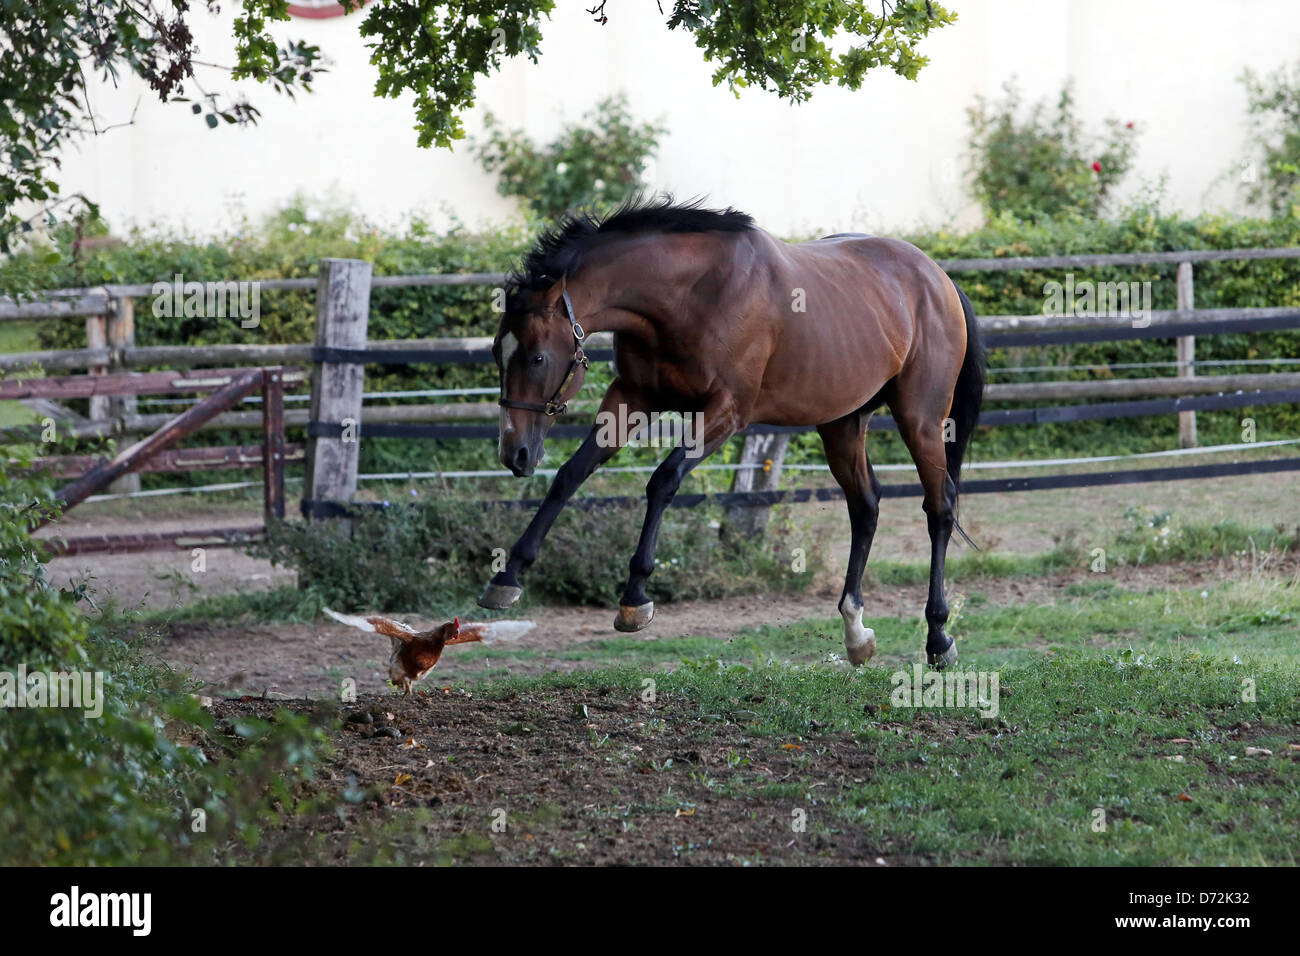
x=551 y=297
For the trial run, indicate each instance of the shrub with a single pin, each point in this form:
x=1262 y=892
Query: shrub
x=120 y=788
x=598 y=164
x=436 y=555
x=1275 y=134
x=1042 y=165
x=1227 y=284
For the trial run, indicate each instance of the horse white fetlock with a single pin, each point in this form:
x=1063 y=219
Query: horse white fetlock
x=945 y=660
x=859 y=641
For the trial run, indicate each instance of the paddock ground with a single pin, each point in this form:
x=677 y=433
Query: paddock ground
x=306 y=659
x=1124 y=709
x=1120 y=704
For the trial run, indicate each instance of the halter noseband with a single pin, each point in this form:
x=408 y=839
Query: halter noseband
x=554 y=406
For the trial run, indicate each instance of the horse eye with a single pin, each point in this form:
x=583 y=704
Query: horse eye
x=538 y=358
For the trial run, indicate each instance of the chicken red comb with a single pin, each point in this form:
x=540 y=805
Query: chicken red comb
x=456 y=625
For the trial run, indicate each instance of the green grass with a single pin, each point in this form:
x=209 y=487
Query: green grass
x=979 y=564
x=1148 y=539
x=1079 y=766
x=284 y=605
x=1079 y=739
x=1255 y=619
x=15 y=413
x=1093 y=688
x=18 y=337
x=1152 y=537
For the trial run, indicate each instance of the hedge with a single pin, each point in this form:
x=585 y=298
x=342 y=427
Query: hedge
x=290 y=243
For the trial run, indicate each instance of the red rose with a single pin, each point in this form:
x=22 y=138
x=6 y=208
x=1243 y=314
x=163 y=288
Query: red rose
x=1096 y=166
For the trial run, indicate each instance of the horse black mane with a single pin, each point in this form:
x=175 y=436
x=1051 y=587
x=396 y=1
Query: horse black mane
x=557 y=251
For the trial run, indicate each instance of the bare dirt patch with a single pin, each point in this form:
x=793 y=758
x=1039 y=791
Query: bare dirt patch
x=575 y=776
x=167 y=578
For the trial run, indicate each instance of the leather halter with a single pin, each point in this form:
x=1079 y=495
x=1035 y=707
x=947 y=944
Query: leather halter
x=554 y=406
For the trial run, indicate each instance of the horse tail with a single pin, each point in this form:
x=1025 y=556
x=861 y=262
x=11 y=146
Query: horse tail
x=967 y=397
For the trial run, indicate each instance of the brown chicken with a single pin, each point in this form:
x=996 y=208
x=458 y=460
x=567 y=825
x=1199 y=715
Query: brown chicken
x=415 y=653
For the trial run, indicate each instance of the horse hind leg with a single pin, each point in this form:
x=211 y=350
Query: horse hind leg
x=923 y=434
x=846 y=454
x=940 y=649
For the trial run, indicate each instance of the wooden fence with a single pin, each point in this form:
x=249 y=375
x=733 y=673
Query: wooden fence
x=154 y=452
x=337 y=416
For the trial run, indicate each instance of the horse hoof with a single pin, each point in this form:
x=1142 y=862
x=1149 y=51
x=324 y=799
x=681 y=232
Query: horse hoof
x=946 y=659
x=860 y=651
x=499 y=596
x=634 y=618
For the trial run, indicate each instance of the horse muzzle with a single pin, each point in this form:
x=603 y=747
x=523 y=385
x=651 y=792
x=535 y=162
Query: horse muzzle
x=522 y=457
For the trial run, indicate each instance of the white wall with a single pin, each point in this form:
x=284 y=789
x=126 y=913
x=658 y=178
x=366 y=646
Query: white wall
x=887 y=157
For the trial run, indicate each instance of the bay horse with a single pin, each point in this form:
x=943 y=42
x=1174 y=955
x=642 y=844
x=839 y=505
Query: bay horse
x=714 y=316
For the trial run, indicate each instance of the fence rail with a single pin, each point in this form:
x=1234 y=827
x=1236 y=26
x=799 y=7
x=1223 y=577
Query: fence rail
x=1000 y=331
x=316 y=508
x=342 y=349
x=94 y=475
x=210 y=458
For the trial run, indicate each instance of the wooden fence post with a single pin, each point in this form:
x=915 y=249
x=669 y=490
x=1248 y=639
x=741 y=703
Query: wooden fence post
x=97 y=338
x=1186 y=352
x=767 y=452
x=273 y=448
x=121 y=335
x=342 y=313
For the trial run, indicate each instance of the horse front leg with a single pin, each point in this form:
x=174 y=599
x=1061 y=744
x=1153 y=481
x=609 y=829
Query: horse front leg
x=635 y=609
x=505 y=587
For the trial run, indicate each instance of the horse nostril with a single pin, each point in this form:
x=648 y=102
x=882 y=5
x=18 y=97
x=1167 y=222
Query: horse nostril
x=521 y=459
